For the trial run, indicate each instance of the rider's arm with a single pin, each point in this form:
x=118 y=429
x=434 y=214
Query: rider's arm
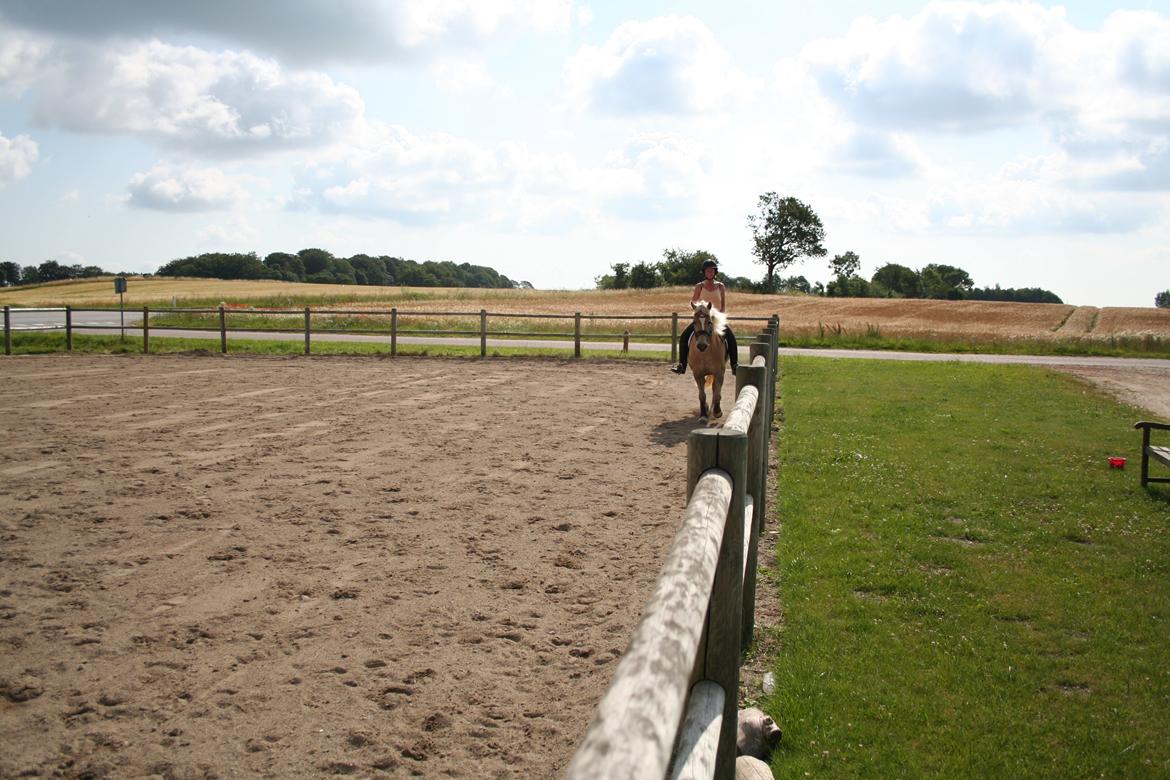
x=696 y=293
x=722 y=297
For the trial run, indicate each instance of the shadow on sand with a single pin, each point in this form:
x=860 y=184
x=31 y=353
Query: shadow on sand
x=671 y=432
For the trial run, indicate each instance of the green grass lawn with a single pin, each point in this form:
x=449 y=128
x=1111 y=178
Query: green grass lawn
x=967 y=589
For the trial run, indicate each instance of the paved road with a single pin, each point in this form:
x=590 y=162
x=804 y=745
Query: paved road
x=54 y=319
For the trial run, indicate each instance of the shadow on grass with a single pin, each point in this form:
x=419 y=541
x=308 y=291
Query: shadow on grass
x=1158 y=493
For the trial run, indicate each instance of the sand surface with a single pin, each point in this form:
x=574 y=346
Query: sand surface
x=241 y=566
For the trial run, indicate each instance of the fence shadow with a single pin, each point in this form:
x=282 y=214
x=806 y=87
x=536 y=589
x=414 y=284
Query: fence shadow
x=671 y=432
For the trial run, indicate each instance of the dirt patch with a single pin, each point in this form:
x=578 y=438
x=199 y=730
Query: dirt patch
x=299 y=567
x=1145 y=388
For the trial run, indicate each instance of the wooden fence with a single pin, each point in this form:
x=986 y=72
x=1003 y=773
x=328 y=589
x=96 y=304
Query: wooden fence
x=670 y=710
x=392 y=329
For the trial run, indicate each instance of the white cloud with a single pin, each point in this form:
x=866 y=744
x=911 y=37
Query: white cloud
x=955 y=66
x=661 y=177
x=186 y=97
x=396 y=175
x=1102 y=97
x=235 y=232
x=878 y=155
x=168 y=187
x=667 y=65
x=16 y=157
x=300 y=30
x=69 y=257
x=1011 y=209
x=457 y=76
x=72 y=196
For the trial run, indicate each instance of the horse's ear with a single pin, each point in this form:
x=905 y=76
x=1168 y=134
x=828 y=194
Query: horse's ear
x=695 y=306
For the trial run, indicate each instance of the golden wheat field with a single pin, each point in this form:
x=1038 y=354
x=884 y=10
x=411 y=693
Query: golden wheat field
x=799 y=314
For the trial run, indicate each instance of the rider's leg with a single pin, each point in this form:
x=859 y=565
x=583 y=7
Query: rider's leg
x=732 y=348
x=684 y=342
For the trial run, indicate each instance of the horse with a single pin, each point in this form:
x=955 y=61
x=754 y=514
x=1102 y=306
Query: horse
x=706 y=355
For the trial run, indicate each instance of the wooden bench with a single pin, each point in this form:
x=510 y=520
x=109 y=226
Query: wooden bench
x=1161 y=454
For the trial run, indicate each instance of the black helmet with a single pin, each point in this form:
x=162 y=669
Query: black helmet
x=709 y=264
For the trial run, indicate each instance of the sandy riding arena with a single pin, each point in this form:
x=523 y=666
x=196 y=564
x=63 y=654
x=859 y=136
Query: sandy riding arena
x=243 y=566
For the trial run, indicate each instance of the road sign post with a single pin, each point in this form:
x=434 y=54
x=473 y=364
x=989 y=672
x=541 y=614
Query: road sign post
x=120 y=288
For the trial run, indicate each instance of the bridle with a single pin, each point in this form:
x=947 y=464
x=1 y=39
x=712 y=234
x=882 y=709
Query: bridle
x=705 y=331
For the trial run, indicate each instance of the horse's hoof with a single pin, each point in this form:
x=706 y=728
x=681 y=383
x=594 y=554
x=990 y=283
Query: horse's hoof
x=718 y=412
x=703 y=419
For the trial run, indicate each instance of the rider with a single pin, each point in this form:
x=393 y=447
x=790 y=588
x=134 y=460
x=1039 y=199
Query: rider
x=715 y=293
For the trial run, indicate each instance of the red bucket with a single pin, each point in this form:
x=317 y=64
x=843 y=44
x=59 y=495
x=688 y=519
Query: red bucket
x=1117 y=463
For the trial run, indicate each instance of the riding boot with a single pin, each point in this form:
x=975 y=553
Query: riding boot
x=681 y=368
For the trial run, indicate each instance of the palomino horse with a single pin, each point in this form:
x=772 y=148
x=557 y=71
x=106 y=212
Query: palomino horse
x=706 y=355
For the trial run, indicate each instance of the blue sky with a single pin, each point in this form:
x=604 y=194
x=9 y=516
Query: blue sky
x=1028 y=143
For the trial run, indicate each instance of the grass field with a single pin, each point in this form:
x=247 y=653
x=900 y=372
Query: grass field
x=807 y=321
x=967 y=589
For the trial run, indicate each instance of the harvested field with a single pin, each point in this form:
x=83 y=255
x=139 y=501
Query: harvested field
x=799 y=314
x=238 y=566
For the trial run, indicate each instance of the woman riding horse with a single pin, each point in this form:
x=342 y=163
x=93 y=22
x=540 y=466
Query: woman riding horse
x=715 y=293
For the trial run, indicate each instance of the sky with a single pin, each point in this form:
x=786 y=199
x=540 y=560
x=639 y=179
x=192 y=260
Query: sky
x=1026 y=142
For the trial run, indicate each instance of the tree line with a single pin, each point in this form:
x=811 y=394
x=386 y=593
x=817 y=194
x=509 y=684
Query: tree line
x=318 y=266
x=786 y=230
x=308 y=265
x=12 y=274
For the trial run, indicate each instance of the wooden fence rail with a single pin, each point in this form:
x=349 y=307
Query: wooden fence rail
x=670 y=710
x=480 y=321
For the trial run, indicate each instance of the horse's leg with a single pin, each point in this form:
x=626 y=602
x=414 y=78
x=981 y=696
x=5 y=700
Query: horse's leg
x=716 y=392
x=701 y=381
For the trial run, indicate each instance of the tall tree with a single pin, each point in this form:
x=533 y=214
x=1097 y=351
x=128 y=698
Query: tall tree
x=9 y=274
x=682 y=267
x=1162 y=300
x=896 y=281
x=845 y=265
x=784 y=231
x=945 y=281
x=643 y=276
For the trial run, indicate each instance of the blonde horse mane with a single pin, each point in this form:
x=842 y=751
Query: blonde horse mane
x=718 y=318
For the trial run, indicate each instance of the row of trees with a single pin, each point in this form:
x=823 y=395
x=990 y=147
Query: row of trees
x=307 y=265
x=12 y=274
x=933 y=281
x=786 y=230
x=318 y=266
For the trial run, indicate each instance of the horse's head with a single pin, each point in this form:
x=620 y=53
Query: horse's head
x=704 y=325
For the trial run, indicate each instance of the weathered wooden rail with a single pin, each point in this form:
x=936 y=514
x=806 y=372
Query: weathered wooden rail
x=393 y=328
x=670 y=710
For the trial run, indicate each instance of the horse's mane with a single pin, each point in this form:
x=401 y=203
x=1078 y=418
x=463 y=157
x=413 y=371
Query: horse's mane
x=720 y=321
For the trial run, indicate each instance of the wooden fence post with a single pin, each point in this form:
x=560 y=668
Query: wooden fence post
x=719 y=656
x=674 y=337
x=757 y=485
x=145 y=330
x=222 y=331
x=393 y=331
x=7 y=331
x=68 y=328
x=483 y=333
x=761 y=347
x=626 y=343
x=577 y=335
x=308 y=329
